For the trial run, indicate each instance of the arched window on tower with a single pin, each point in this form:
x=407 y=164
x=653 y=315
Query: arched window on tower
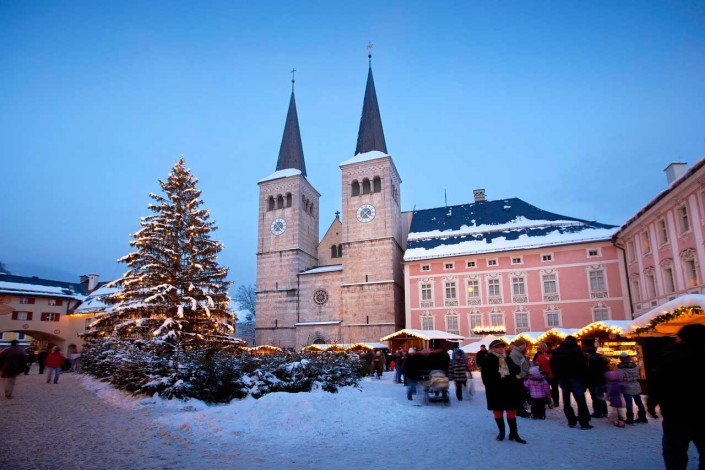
x=355 y=188
x=366 y=186
x=280 y=202
x=288 y=199
x=270 y=203
x=310 y=209
x=334 y=251
x=340 y=251
x=377 y=184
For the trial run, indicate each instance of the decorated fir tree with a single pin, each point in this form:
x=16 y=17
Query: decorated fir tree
x=174 y=293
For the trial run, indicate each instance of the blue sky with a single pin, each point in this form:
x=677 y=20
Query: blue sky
x=575 y=107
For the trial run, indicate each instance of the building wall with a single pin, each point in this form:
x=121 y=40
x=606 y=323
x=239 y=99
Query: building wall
x=61 y=328
x=664 y=253
x=573 y=305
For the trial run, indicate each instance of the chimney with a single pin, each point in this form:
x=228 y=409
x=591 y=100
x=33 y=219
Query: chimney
x=479 y=195
x=90 y=282
x=674 y=171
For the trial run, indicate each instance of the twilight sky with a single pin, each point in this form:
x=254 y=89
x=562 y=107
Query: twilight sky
x=574 y=107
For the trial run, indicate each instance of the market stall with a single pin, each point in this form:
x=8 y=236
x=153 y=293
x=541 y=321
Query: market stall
x=422 y=339
x=264 y=350
x=554 y=336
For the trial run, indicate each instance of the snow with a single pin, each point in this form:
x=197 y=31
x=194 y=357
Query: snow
x=688 y=300
x=324 y=269
x=426 y=335
x=349 y=430
x=34 y=289
x=281 y=174
x=365 y=157
x=94 y=302
x=502 y=244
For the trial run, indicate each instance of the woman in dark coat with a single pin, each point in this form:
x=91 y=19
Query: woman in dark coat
x=499 y=376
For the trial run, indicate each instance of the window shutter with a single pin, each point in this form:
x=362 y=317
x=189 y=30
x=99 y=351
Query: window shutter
x=44 y=316
x=14 y=315
x=56 y=317
x=30 y=300
x=29 y=316
x=59 y=303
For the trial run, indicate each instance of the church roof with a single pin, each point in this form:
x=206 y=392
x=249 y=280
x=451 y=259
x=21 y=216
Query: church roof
x=370 y=136
x=492 y=226
x=291 y=152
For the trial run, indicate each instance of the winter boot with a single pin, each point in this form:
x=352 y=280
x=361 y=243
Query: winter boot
x=500 y=425
x=513 y=434
x=641 y=417
x=630 y=418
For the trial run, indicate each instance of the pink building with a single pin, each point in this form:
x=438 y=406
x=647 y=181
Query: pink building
x=506 y=263
x=663 y=242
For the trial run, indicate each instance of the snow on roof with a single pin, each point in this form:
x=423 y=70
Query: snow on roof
x=30 y=289
x=281 y=174
x=423 y=334
x=688 y=300
x=365 y=157
x=324 y=269
x=491 y=226
x=94 y=303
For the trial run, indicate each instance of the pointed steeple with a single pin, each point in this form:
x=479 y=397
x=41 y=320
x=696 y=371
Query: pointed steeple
x=291 y=152
x=370 y=136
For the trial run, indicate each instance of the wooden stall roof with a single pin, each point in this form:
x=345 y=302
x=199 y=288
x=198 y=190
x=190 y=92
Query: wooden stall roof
x=559 y=333
x=426 y=335
x=615 y=327
x=669 y=318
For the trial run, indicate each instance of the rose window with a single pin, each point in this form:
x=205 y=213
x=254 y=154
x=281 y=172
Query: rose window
x=320 y=297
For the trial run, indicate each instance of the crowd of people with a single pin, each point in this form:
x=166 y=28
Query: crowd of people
x=16 y=360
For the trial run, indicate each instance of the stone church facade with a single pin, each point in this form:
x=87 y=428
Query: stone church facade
x=347 y=287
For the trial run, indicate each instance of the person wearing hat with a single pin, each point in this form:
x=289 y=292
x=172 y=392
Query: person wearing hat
x=518 y=356
x=569 y=366
x=676 y=387
x=629 y=372
x=499 y=374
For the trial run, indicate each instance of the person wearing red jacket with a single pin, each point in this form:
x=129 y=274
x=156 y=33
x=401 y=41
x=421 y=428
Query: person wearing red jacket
x=54 y=362
x=542 y=360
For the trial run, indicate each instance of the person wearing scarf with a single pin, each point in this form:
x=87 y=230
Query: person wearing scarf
x=499 y=374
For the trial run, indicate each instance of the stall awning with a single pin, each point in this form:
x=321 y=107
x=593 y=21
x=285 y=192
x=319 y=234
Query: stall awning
x=615 y=327
x=426 y=335
x=669 y=318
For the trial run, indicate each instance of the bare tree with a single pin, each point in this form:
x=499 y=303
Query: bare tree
x=246 y=299
x=3 y=269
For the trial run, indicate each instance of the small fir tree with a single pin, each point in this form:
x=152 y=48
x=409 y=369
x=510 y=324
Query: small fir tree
x=174 y=294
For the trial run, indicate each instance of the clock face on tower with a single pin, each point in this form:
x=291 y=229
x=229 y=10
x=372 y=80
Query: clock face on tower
x=278 y=226
x=366 y=213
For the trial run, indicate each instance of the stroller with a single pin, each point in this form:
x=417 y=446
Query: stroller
x=435 y=387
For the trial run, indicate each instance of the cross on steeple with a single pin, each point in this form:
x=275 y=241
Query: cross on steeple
x=369 y=52
x=293 y=71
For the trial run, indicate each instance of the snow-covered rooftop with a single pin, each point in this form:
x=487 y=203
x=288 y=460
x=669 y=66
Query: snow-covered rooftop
x=365 y=157
x=281 y=174
x=324 y=269
x=33 y=286
x=95 y=301
x=492 y=226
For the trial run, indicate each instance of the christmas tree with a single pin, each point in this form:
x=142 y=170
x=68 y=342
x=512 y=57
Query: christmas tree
x=174 y=294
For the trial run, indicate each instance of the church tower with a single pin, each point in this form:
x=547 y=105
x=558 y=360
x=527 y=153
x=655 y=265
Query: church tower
x=287 y=240
x=372 y=284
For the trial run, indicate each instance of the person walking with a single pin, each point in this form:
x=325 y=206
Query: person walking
x=458 y=371
x=597 y=383
x=411 y=368
x=542 y=359
x=675 y=387
x=615 y=395
x=632 y=388
x=41 y=358
x=569 y=365
x=518 y=356
x=13 y=361
x=378 y=363
x=499 y=376
x=54 y=362
x=481 y=355
x=398 y=358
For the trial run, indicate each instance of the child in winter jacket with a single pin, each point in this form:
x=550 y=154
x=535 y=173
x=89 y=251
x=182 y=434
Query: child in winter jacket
x=539 y=391
x=615 y=388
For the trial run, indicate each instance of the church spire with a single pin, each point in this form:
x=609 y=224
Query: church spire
x=291 y=152
x=370 y=136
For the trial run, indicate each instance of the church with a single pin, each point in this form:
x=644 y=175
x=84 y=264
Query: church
x=348 y=286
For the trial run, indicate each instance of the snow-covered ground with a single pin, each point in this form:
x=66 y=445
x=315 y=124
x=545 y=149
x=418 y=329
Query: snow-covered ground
x=375 y=426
